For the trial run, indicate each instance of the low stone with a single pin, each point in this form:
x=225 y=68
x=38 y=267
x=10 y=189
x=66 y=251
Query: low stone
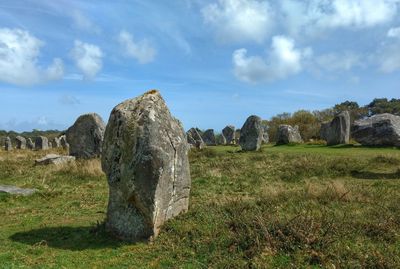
x=41 y=143
x=251 y=134
x=54 y=159
x=85 y=136
x=378 y=130
x=288 y=134
x=145 y=158
x=194 y=138
x=8 y=144
x=229 y=134
x=16 y=191
x=209 y=137
x=20 y=142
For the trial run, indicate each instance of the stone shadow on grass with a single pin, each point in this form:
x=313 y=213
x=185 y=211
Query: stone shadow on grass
x=69 y=238
x=374 y=175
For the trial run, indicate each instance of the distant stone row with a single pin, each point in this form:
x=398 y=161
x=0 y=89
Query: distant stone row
x=39 y=143
x=378 y=130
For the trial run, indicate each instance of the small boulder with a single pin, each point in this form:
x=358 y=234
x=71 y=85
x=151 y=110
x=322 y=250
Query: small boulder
x=251 y=134
x=85 y=136
x=8 y=144
x=209 y=137
x=378 y=130
x=21 y=142
x=229 y=133
x=145 y=158
x=194 y=138
x=41 y=143
x=54 y=159
x=288 y=134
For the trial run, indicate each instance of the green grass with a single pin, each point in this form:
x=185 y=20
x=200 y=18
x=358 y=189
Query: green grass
x=297 y=206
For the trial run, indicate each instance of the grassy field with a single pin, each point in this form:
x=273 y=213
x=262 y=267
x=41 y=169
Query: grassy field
x=304 y=206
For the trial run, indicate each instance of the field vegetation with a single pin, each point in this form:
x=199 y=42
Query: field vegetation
x=292 y=206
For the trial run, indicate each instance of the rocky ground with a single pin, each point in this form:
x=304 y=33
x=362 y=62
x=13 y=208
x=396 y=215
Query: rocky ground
x=285 y=206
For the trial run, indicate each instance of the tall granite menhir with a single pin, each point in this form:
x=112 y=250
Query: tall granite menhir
x=145 y=158
x=85 y=137
x=338 y=130
x=251 y=134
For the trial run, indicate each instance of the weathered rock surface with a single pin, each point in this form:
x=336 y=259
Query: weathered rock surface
x=378 y=130
x=85 y=136
x=145 y=158
x=63 y=142
x=30 y=144
x=8 y=144
x=229 y=134
x=50 y=145
x=209 y=137
x=56 y=142
x=288 y=134
x=41 y=143
x=251 y=134
x=221 y=140
x=20 y=142
x=194 y=138
x=54 y=159
x=338 y=130
x=16 y=191
x=265 y=136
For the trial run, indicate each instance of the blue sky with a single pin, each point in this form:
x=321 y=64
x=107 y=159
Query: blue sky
x=215 y=62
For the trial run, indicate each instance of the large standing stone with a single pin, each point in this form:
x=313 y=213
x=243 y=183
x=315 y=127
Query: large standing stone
x=85 y=137
x=378 y=130
x=8 y=144
x=251 y=134
x=288 y=134
x=63 y=142
x=41 y=143
x=229 y=133
x=209 y=137
x=145 y=158
x=29 y=144
x=194 y=138
x=21 y=142
x=338 y=130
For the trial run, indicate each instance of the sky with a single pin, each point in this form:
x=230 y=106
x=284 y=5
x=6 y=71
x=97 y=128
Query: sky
x=215 y=62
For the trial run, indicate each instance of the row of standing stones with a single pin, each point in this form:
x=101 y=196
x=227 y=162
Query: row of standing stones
x=39 y=143
x=378 y=130
x=144 y=154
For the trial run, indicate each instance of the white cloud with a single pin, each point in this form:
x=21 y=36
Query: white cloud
x=239 y=20
x=394 y=32
x=282 y=61
x=88 y=58
x=318 y=15
x=344 y=61
x=82 y=22
x=19 y=53
x=141 y=50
